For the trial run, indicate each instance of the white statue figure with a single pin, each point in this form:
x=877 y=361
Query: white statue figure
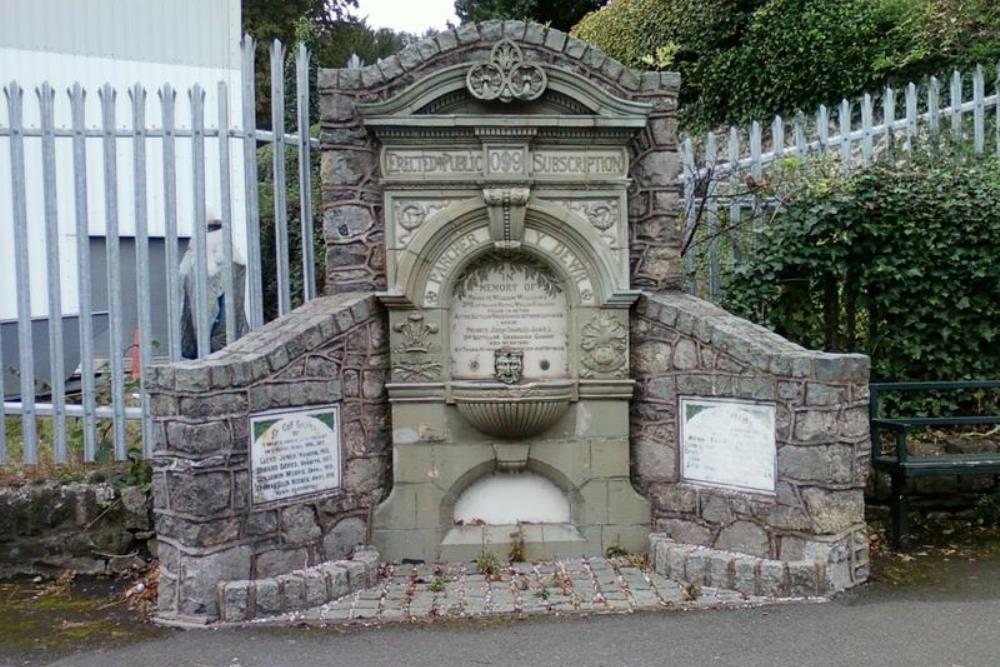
x=216 y=304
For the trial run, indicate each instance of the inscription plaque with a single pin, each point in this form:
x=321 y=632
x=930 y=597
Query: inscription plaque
x=294 y=453
x=511 y=302
x=728 y=443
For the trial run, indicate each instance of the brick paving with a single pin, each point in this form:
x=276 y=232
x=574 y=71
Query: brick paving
x=451 y=591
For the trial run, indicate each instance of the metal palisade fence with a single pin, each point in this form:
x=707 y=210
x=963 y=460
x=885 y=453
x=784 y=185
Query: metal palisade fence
x=724 y=212
x=82 y=414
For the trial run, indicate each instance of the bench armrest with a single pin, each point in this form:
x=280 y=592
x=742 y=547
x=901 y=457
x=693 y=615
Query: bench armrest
x=899 y=426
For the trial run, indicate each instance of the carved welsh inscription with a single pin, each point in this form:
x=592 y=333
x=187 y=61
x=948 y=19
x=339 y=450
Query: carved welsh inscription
x=512 y=302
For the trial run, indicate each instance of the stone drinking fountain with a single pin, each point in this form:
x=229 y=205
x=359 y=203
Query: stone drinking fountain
x=508 y=268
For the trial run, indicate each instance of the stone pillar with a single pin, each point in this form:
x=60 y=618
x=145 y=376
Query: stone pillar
x=656 y=220
x=352 y=197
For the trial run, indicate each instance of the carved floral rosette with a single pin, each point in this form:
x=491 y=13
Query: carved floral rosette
x=506 y=76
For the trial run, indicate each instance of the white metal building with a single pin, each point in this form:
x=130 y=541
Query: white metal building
x=121 y=43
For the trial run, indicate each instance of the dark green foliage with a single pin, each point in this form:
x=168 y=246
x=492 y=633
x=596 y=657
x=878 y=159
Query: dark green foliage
x=743 y=60
x=561 y=14
x=899 y=261
x=937 y=35
x=267 y=20
x=324 y=26
x=268 y=253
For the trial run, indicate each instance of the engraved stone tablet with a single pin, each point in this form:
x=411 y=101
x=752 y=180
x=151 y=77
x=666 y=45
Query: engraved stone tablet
x=508 y=301
x=294 y=453
x=728 y=443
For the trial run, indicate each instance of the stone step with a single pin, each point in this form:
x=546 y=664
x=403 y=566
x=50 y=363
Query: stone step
x=454 y=591
x=298 y=590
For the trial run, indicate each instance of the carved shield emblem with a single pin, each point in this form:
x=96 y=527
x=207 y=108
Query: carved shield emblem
x=508 y=365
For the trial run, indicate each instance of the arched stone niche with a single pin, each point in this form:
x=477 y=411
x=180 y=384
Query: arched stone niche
x=507 y=262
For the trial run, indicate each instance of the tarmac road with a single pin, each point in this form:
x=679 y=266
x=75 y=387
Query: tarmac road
x=951 y=619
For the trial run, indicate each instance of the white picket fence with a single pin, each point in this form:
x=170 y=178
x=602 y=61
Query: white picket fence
x=108 y=401
x=724 y=214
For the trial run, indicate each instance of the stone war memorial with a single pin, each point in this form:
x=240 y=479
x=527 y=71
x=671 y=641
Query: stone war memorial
x=504 y=360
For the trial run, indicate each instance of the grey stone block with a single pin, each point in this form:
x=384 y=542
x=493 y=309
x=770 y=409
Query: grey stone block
x=337 y=580
x=676 y=560
x=199 y=494
x=281 y=561
x=446 y=40
x=292 y=591
x=822 y=394
x=534 y=33
x=345 y=536
x=803 y=579
x=201 y=574
x=834 y=511
x=316 y=590
x=695 y=566
x=299 y=525
x=234 y=600
x=491 y=30
x=467 y=33
x=391 y=67
x=371 y=76
x=357 y=574
x=267 y=597
x=744 y=537
x=771 y=580
x=719 y=570
x=833 y=464
x=514 y=30
x=555 y=39
x=686 y=532
x=745 y=575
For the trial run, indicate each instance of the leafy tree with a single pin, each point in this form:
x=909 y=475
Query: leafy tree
x=743 y=60
x=561 y=14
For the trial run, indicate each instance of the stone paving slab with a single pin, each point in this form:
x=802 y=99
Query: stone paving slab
x=453 y=591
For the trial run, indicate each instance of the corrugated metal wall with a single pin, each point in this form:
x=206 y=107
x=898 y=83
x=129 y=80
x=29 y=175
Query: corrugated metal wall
x=203 y=33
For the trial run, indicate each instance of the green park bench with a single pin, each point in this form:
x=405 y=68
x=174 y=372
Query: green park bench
x=902 y=465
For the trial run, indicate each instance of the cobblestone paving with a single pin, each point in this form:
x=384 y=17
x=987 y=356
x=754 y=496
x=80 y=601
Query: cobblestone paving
x=416 y=593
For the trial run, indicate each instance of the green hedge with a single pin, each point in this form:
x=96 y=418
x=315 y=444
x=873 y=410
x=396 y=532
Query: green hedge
x=900 y=261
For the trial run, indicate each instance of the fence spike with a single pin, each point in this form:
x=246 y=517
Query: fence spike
x=108 y=97
x=22 y=271
x=53 y=271
x=255 y=292
x=199 y=233
x=305 y=172
x=78 y=96
x=278 y=165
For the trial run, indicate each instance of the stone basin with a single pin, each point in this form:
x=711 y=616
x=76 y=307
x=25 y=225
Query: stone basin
x=512 y=411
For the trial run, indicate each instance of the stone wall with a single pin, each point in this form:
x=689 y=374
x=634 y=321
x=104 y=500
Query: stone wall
x=97 y=528
x=353 y=220
x=332 y=349
x=684 y=346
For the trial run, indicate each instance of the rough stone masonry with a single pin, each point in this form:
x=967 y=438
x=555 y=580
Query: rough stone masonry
x=335 y=349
